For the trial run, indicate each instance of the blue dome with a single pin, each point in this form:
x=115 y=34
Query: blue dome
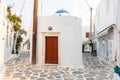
x=62 y=11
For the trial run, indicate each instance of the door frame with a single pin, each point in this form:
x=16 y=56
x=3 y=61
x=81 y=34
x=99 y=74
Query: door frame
x=44 y=35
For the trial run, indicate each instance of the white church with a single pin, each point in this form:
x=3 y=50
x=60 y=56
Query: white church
x=59 y=40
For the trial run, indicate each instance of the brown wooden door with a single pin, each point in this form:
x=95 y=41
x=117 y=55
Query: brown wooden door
x=51 y=56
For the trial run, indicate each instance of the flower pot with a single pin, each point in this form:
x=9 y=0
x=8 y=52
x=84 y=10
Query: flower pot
x=117 y=70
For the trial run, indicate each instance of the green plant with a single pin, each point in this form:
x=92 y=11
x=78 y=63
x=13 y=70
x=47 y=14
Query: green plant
x=89 y=42
x=19 y=39
x=16 y=23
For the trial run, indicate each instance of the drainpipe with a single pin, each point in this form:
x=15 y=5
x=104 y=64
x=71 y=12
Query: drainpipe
x=118 y=57
x=118 y=26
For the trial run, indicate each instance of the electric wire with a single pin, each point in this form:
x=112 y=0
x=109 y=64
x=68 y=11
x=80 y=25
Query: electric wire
x=87 y=3
x=82 y=10
x=22 y=7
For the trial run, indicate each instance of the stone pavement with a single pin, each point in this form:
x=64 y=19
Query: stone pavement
x=19 y=68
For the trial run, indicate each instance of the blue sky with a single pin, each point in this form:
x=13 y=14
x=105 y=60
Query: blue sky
x=49 y=7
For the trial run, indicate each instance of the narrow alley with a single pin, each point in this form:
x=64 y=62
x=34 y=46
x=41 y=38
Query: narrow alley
x=20 y=68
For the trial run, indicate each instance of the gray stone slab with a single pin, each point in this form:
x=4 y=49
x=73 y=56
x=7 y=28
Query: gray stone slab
x=43 y=75
x=94 y=70
x=89 y=75
x=67 y=77
x=80 y=77
x=54 y=73
x=15 y=75
x=77 y=72
x=90 y=79
x=41 y=79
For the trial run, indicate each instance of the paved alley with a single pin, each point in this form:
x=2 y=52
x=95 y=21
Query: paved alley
x=19 y=68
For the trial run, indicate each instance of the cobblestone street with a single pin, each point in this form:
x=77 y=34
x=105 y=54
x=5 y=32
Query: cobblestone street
x=20 y=69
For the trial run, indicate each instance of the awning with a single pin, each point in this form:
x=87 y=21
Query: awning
x=105 y=31
x=86 y=42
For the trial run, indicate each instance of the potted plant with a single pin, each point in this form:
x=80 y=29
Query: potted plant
x=117 y=69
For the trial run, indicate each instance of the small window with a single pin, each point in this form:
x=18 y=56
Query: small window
x=7 y=27
x=87 y=34
x=98 y=17
x=94 y=27
x=10 y=39
x=7 y=41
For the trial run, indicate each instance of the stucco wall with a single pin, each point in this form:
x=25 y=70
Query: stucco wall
x=8 y=48
x=70 y=38
x=103 y=18
x=2 y=30
x=5 y=51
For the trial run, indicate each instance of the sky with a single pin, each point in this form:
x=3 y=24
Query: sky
x=78 y=8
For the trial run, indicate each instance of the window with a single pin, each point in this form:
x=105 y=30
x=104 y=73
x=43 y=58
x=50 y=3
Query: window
x=98 y=17
x=94 y=28
x=7 y=41
x=107 y=6
x=87 y=34
x=10 y=37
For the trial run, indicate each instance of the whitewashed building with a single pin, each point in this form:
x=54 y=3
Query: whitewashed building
x=85 y=33
x=59 y=40
x=107 y=25
x=6 y=34
x=2 y=30
x=25 y=33
x=85 y=39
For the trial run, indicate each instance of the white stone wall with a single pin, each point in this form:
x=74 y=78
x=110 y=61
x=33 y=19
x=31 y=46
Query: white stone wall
x=8 y=42
x=118 y=26
x=68 y=29
x=104 y=19
x=2 y=30
x=5 y=49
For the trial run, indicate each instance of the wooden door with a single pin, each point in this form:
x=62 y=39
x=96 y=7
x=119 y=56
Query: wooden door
x=51 y=52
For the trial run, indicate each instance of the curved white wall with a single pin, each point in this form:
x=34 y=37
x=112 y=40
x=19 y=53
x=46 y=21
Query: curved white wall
x=70 y=39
